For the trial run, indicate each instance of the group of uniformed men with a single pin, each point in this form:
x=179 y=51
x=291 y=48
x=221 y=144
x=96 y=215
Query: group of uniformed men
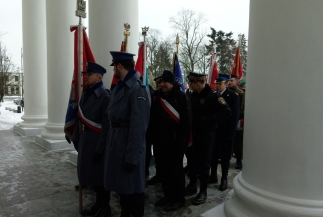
x=114 y=129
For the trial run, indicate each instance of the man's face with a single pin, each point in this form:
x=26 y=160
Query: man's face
x=220 y=86
x=158 y=82
x=166 y=87
x=232 y=82
x=92 y=78
x=193 y=85
x=116 y=70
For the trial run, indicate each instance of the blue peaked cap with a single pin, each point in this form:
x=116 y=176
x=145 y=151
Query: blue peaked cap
x=117 y=55
x=94 y=67
x=221 y=78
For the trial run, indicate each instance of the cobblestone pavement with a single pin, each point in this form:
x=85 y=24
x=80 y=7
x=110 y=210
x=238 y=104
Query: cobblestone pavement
x=40 y=183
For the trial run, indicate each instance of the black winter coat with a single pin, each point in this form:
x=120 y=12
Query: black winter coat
x=209 y=110
x=167 y=134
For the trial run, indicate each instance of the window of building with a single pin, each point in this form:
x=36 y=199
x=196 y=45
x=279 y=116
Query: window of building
x=16 y=78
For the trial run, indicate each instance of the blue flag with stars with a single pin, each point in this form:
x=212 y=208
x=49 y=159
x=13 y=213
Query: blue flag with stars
x=178 y=73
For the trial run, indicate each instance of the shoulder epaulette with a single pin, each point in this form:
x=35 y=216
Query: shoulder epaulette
x=141 y=84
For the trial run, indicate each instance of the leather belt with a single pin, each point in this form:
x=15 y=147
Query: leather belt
x=119 y=124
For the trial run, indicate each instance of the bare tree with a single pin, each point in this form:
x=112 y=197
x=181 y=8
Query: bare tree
x=204 y=60
x=153 y=39
x=6 y=69
x=189 y=24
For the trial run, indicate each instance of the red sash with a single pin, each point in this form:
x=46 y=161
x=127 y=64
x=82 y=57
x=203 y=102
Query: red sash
x=90 y=124
x=170 y=110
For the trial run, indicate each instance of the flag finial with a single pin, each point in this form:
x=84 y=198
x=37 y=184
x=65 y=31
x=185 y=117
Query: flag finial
x=80 y=9
x=126 y=34
x=177 y=43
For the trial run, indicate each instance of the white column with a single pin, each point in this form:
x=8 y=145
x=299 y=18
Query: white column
x=282 y=174
x=35 y=63
x=60 y=15
x=106 y=20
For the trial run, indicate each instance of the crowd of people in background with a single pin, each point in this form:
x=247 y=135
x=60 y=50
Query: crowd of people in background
x=116 y=130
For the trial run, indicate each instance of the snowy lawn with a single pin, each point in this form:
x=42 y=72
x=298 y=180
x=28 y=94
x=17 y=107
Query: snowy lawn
x=8 y=118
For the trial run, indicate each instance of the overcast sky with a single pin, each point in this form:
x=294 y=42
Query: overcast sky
x=226 y=15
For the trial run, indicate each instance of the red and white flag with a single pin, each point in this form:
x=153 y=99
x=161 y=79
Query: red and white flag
x=237 y=66
x=72 y=107
x=213 y=71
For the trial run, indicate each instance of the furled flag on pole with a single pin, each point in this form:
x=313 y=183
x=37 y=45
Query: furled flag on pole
x=178 y=72
x=72 y=107
x=114 y=79
x=237 y=66
x=213 y=71
x=139 y=67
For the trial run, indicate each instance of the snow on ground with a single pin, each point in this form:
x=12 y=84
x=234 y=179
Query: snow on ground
x=8 y=118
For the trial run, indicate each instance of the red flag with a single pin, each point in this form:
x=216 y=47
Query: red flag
x=213 y=71
x=237 y=66
x=139 y=67
x=114 y=79
x=74 y=94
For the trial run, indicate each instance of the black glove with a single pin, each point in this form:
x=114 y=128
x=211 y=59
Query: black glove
x=97 y=157
x=67 y=139
x=76 y=146
x=128 y=167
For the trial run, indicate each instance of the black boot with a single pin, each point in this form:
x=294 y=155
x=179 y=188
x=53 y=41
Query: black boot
x=92 y=210
x=200 y=198
x=238 y=164
x=224 y=185
x=103 y=212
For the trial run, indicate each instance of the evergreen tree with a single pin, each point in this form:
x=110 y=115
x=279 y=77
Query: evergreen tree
x=243 y=52
x=225 y=49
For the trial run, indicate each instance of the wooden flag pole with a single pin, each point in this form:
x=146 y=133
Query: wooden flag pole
x=80 y=12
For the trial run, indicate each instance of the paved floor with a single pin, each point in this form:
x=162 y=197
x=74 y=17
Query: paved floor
x=37 y=182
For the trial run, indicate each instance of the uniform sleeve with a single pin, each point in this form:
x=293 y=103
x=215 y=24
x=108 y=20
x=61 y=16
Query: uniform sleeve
x=235 y=109
x=139 y=102
x=76 y=133
x=222 y=112
x=100 y=147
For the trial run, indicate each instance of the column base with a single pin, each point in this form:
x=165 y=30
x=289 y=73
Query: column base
x=27 y=131
x=53 y=132
x=33 y=121
x=217 y=211
x=50 y=144
x=248 y=201
x=72 y=157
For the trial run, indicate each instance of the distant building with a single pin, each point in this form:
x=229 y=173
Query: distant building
x=14 y=84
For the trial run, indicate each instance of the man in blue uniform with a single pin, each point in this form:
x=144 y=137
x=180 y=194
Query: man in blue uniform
x=209 y=112
x=90 y=137
x=225 y=135
x=128 y=113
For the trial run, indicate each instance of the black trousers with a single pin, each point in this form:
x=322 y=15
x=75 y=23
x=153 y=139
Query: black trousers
x=199 y=155
x=171 y=173
x=238 y=144
x=225 y=164
x=132 y=205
